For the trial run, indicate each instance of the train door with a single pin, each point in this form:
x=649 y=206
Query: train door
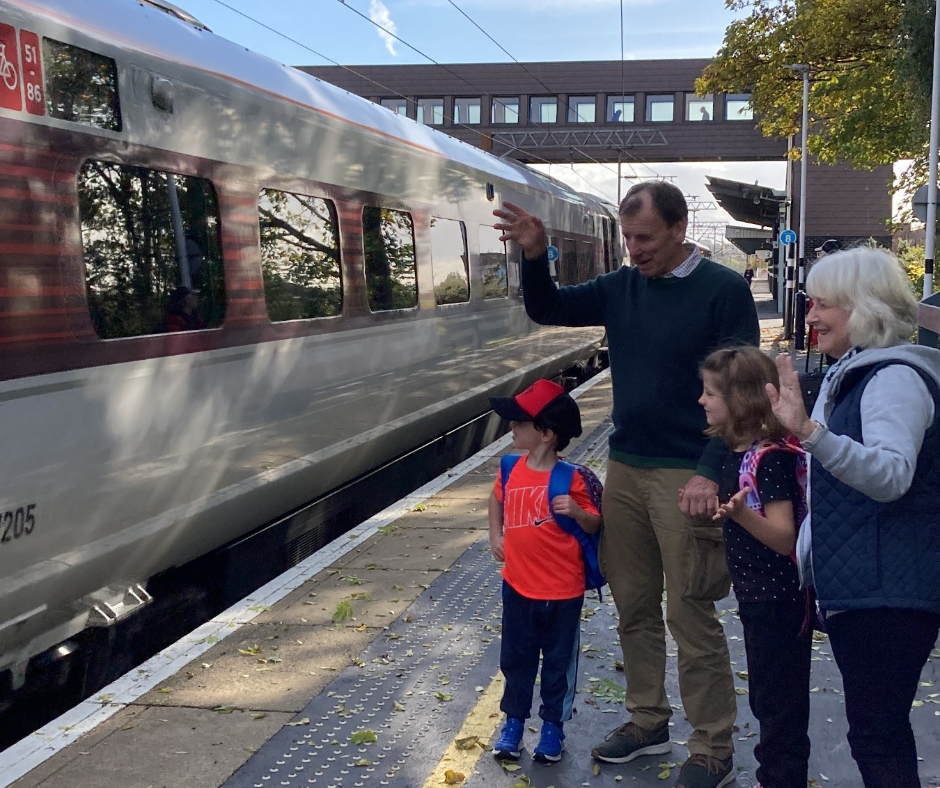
x=608 y=253
x=568 y=275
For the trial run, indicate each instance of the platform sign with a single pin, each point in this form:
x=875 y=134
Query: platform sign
x=788 y=237
x=32 y=73
x=11 y=96
x=919 y=202
x=552 y=254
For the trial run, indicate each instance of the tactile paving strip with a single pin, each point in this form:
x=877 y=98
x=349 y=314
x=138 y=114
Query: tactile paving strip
x=413 y=687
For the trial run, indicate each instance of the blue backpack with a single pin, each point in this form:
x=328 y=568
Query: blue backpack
x=559 y=483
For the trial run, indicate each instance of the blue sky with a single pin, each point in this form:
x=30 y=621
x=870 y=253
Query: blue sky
x=530 y=30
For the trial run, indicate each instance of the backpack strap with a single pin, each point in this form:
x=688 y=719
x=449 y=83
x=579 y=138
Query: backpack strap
x=747 y=471
x=559 y=483
x=506 y=463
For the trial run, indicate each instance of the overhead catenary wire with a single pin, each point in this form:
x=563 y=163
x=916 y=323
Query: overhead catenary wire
x=368 y=79
x=461 y=78
x=334 y=62
x=549 y=90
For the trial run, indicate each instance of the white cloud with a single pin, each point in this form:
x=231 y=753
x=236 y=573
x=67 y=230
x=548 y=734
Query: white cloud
x=379 y=14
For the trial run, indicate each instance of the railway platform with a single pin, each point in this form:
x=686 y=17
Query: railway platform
x=375 y=663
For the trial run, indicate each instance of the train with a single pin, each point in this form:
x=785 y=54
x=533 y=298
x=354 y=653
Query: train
x=226 y=289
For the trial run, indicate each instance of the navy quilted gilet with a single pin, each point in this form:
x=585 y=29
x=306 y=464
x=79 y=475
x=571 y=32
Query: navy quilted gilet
x=868 y=554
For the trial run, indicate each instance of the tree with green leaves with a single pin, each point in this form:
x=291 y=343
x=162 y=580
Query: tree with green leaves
x=869 y=99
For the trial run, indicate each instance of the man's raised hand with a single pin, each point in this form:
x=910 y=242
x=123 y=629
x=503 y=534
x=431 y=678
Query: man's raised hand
x=521 y=227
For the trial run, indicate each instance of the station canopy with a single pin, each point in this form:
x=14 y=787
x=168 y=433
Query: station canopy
x=752 y=204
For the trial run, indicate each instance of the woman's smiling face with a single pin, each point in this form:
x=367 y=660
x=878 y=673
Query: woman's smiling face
x=832 y=326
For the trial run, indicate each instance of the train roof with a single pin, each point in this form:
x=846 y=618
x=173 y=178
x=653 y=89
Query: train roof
x=163 y=30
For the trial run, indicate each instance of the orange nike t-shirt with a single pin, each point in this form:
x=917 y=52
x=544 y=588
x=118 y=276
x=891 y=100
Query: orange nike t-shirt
x=542 y=560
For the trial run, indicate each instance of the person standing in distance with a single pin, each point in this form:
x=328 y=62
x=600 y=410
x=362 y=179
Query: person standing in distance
x=663 y=314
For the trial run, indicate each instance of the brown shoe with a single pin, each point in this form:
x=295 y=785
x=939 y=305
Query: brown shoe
x=706 y=771
x=630 y=741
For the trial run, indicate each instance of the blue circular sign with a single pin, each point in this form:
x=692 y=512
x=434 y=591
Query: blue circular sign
x=552 y=254
x=788 y=237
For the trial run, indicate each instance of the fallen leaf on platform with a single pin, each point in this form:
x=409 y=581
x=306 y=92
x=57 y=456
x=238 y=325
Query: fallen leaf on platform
x=302 y=721
x=453 y=778
x=364 y=737
x=468 y=743
x=343 y=611
x=595 y=769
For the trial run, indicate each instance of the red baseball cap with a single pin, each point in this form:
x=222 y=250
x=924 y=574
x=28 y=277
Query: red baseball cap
x=543 y=398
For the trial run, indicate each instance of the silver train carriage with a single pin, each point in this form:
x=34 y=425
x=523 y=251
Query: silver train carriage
x=227 y=288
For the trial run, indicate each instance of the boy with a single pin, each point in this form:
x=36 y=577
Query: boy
x=543 y=575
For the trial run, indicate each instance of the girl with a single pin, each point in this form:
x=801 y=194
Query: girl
x=762 y=483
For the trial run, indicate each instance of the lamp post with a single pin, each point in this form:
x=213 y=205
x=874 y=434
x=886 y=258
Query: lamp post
x=930 y=240
x=800 y=333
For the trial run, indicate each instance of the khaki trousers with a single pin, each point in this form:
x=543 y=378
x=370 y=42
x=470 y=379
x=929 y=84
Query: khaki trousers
x=646 y=538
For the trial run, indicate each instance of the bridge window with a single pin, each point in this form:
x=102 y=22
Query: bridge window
x=81 y=86
x=493 y=263
x=543 y=109
x=150 y=241
x=505 y=110
x=738 y=107
x=398 y=105
x=388 y=240
x=431 y=111
x=467 y=110
x=699 y=108
x=299 y=256
x=660 y=109
x=621 y=109
x=582 y=109
x=449 y=261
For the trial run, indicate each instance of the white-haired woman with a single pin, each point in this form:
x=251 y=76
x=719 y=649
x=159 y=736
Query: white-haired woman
x=872 y=549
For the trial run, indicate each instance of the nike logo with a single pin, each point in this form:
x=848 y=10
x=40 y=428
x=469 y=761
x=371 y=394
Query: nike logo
x=541 y=521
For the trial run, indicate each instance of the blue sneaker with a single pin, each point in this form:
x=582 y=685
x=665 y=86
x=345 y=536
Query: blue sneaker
x=509 y=745
x=551 y=743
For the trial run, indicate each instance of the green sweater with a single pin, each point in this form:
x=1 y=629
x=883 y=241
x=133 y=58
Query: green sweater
x=658 y=331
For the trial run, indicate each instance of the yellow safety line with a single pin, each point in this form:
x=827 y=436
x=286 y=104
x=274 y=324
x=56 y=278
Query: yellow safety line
x=480 y=722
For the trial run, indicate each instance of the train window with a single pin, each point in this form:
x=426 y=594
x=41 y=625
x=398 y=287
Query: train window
x=81 y=86
x=299 y=256
x=568 y=273
x=543 y=109
x=660 y=109
x=431 y=111
x=449 y=261
x=738 y=107
x=621 y=109
x=494 y=263
x=582 y=109
x=467 y=110
x=153 y=260
x=388 y=240
x=699 y=108
x=505 y=110
x=398 y=105
x=586 y=262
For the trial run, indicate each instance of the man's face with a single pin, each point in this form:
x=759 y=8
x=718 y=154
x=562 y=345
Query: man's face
x=655 y=248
